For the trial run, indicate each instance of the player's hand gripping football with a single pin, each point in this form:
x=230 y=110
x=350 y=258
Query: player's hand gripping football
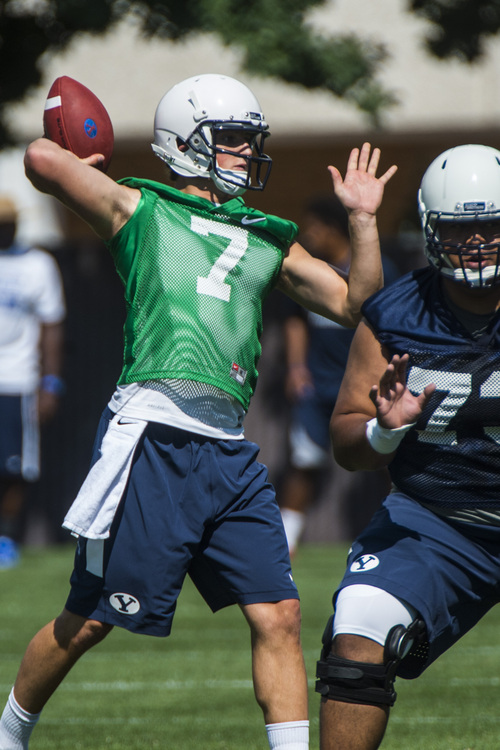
x=95 y=160
x=395 y=403
x=361 y=190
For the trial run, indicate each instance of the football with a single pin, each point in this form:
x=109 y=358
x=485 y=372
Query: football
x=77 y=120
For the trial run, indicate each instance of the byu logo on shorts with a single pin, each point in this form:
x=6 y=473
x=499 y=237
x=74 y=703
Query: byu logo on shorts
x=365 y=562
x=125 y=604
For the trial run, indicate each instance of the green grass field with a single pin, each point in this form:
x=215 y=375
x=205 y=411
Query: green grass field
x=194 y=690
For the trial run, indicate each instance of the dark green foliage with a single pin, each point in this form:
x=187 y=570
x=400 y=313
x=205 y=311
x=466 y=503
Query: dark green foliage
x=274 y=38
x=461 y=26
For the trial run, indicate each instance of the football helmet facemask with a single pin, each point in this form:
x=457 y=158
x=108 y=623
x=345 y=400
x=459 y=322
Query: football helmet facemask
x=459 y=207
x=188 y=123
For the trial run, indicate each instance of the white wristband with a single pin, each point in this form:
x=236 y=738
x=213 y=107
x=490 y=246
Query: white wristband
x=382 y=439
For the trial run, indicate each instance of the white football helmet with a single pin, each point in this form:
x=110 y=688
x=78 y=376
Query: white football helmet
x=462 y=187
x=187 y=120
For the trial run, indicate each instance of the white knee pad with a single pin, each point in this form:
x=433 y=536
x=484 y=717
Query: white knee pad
x=370 y=612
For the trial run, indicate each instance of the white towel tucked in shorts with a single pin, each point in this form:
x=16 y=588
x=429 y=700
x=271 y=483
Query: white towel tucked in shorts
x=94 y=508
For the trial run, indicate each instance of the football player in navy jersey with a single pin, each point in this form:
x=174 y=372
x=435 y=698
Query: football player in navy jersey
x=421 y=395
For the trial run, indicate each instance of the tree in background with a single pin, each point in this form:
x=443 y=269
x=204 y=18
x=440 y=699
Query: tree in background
x=460 y=27
x=274 y=37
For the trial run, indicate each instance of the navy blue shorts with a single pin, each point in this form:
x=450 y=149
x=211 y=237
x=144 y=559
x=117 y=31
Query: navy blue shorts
x=313 y=412
x=192 y=505
x=448 y=571
x=19 y=437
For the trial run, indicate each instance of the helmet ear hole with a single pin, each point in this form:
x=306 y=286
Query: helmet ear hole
x=181 y=145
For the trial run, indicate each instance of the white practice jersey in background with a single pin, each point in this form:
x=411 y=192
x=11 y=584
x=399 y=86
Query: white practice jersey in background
x=31 y=294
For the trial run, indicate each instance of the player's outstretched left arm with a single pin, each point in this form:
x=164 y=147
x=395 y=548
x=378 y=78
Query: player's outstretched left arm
x=361 y=193
x=316 y=285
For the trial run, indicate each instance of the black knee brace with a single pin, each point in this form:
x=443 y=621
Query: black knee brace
x=361 y=682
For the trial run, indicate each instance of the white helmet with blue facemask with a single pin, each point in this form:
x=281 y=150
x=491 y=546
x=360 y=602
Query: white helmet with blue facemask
x=459 y=207
x=190 y=116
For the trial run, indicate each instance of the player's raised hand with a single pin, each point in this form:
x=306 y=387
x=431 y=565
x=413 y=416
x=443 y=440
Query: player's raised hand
x=395 y=403
x=361 y=190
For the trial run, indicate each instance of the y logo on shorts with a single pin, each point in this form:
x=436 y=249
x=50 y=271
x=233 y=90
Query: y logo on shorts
x=125 y=604
x=365 y=562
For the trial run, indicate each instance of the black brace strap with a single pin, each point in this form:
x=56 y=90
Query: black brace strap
x=355 y=681
x=363 y=682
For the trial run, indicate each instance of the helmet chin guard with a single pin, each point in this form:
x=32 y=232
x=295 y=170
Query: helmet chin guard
x=190 y=115
x=460 y=190
x=230 y=181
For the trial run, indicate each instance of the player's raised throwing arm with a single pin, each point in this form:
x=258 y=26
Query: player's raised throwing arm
x=87 y=191
x=311 y=281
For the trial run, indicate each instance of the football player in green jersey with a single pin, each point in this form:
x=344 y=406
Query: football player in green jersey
x=175 y=488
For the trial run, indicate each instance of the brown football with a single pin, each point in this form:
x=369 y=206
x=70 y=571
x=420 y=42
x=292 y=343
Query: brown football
x=77 y=120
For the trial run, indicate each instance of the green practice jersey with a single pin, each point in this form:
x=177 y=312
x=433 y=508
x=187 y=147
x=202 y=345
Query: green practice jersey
x=195 y=278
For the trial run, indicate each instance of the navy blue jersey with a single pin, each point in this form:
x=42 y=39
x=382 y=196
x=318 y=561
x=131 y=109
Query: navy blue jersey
x=328 y=348
x=451 y=458
x=327 y=354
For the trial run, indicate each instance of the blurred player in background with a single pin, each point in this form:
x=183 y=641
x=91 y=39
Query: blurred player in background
x=32 y=310
x=175 y=488
x=421 y=395
x=316 y=351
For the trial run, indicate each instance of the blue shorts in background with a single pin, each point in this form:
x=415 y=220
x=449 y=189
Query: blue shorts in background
x=19 y=437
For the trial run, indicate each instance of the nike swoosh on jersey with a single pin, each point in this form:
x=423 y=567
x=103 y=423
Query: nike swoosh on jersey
x=249 y=220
